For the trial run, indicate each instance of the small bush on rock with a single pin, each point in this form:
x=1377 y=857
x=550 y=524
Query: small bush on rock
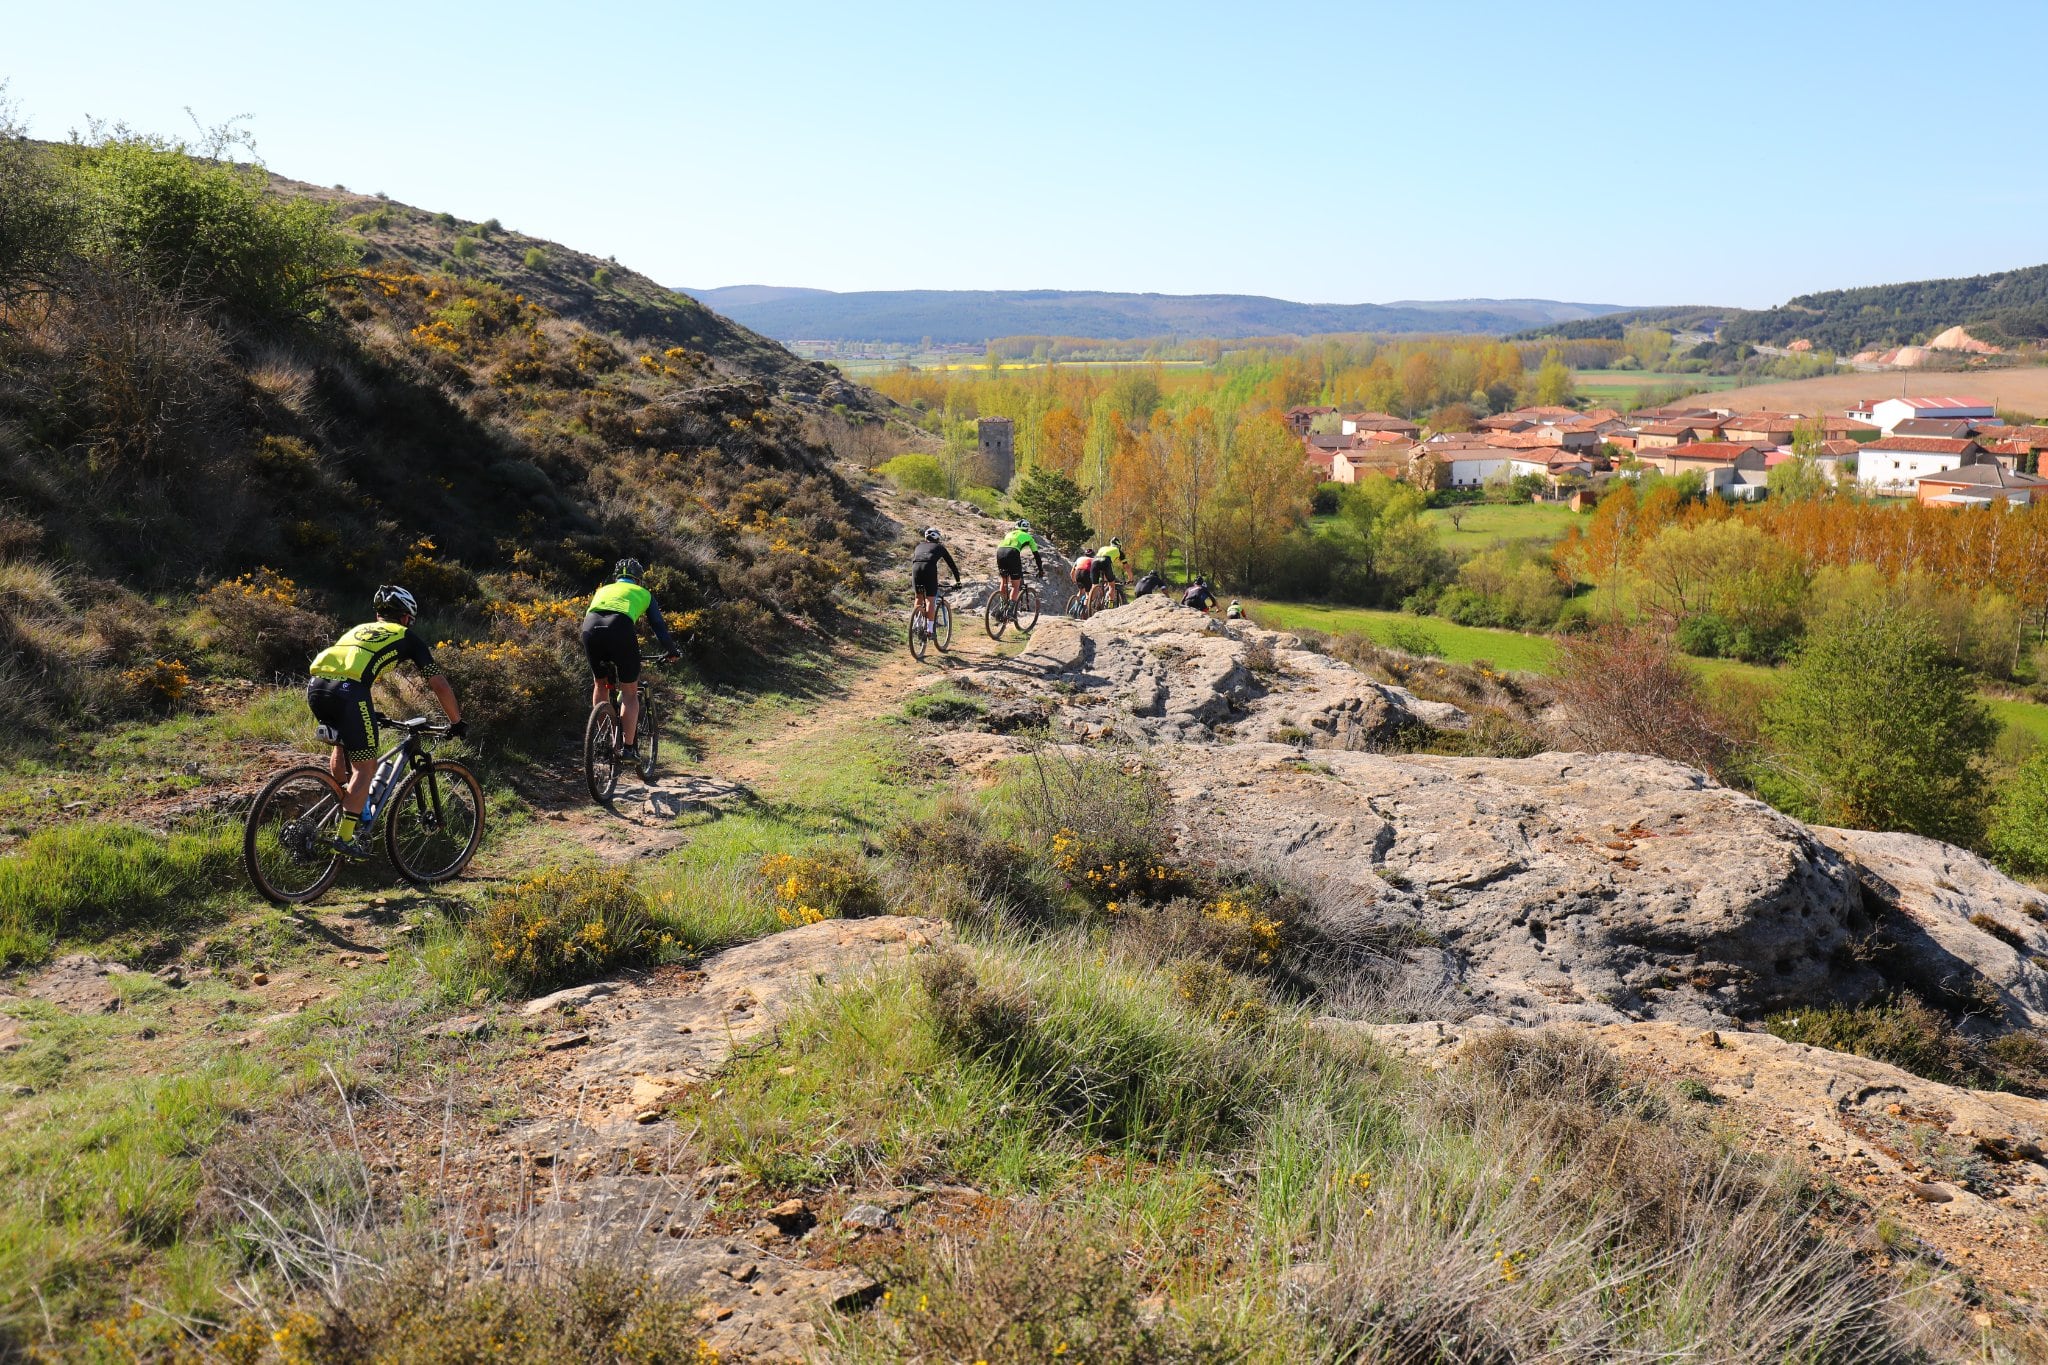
x=565 y=925
x=833 y=884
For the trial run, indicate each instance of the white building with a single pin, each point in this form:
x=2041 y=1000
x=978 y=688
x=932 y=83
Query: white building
x=1895 y=464
x=1473 y=470
x=1889 y=412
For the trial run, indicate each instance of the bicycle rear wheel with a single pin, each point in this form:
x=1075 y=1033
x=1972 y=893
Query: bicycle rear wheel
x=918 y=638
x=995 y=615
x=286 y=844
x=433 y=828
x=1077 y=606
x=1024 y=612
x=601 y=753
x=942 y=625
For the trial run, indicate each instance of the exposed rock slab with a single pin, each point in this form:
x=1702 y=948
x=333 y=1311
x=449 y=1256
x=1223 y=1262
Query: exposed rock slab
x=744 y=991
x=1566 y=886
x=1961 y=933
x=1153 y=671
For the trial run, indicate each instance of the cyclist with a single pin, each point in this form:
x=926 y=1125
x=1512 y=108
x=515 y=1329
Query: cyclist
x=1149 y=582
x=1010 y=559
x=1104 y=572
x=611 y=641
x=1198 y=595
x=1236 y=612
x=338 y=694
x=924 y=575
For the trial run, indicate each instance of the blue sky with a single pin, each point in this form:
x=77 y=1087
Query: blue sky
x=1724 y=153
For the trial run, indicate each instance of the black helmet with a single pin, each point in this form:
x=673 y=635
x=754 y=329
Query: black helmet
x=1023 y=523
x=628 y=568
x=391 y=596
x=1117 y=541
x=932 y=533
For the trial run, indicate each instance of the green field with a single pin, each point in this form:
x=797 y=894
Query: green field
x=1618 y=388
x=1487 y=524
x=1513 y=651
x=1504 y=649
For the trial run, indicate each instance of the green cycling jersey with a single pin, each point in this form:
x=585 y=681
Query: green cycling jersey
x=624 y=597
x=364 y=653
x=1019 y=540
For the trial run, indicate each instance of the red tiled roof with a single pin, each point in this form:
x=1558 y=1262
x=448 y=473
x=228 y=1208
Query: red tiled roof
x=1668 y=429
x=1720 y=452
x=1921 y=445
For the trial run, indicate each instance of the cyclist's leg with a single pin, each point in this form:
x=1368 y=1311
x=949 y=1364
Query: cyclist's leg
x=629 y=711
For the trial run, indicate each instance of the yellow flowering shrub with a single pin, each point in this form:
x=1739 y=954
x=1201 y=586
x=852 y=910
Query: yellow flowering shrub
x=565 y=925
x=260 y=624
x=516 y=685
x=834 y=884
x=160 y=685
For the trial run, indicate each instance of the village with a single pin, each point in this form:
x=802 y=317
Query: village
x=1941 y=450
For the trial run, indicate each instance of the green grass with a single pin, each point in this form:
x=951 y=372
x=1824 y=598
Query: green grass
x=1504 y=649
x=2030 y=717
x=1488 y=524
x=89 y=880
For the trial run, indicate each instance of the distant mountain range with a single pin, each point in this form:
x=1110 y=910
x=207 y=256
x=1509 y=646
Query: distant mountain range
x=977 y=315
x=2008 y=308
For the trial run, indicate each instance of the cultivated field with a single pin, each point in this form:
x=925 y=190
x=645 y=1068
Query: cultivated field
x=2020 y=390
x=1489 y=524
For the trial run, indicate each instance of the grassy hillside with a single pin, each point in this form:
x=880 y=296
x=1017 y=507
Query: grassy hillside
x=225 y=416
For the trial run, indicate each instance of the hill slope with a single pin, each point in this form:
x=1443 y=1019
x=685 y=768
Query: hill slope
x=977 y=315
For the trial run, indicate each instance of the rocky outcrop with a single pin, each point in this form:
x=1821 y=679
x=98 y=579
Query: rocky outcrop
x=1952 y=927
x=1155 y=672
x=1568 y=886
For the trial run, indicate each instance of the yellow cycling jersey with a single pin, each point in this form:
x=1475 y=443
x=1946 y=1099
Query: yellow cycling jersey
x=364 y=653
x=624 y=597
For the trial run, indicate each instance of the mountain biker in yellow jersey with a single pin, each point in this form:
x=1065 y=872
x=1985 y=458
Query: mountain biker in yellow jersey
x=611 y=641
x=1107 y=561
x=924 y=574
x=1010 y=559
x=338 y=693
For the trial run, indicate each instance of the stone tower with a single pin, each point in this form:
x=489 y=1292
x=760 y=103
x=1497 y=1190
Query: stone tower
x=998 y=451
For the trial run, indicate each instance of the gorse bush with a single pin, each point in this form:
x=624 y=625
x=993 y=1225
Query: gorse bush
x=561 y=926
x=88 y=881
x=261 y=625
x=831 y=884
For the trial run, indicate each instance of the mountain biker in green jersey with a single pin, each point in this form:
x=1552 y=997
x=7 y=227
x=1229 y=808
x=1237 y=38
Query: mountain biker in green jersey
x=1010 y=559
x=1107 y=560
x=338 y=694
x=611 y=641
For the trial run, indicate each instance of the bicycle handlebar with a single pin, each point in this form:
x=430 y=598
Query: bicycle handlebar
x=414 y=725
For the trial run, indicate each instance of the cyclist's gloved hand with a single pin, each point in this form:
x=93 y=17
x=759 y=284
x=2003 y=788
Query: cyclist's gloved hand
x=458 y=729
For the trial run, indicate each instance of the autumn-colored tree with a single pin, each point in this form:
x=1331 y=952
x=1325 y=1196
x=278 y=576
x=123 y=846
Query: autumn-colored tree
x=1554 y=383
x=1264 y=494
x=1624 y=689
x=1062 y=441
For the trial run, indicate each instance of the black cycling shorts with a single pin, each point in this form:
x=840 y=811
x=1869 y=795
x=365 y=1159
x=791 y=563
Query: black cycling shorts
x=611 y=641
x=925 y=579
x=343 y=709
x=1104 y=571
x=1009 y=561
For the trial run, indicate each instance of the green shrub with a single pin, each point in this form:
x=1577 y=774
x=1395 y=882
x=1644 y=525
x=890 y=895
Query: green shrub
x=262 y=627
x=942 y=706
x=464 y=248
x=535 y=258
x=87 y=881
x=1705 y=636
x=833 y=883
x=916 y=474
x=1907 y=1032
x=1417 y=640
x=601 y=277
x=488 y=227
x=207 y=229
x=562 y=926
x=2019 y=820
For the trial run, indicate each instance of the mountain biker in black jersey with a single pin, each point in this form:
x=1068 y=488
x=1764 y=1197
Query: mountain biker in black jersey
x=924 y=575
x=1107 y=560
x=1198 y=595
x=338 y=694
x=611 y=641
x=1010 y=559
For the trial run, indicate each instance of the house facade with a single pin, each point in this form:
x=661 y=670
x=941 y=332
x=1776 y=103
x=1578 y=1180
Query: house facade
x=1981 y=485
x=1887 y=413
x=1894 y=465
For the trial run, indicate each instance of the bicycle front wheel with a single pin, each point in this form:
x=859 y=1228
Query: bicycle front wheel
x=601 y=753
x=995 y=615
x=435 y=823
x=1077 y=607
x=942 y=626
x=650 y=732
x=287 y=845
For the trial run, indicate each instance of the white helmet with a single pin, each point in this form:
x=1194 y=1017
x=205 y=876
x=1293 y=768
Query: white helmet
x=932 y=533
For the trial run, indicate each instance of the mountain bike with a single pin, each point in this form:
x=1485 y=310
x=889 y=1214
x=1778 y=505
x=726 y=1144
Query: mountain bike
x=1003 y=611
x=1077 y=606
x=602 y=760
x=939 y=631
x=432 y=810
